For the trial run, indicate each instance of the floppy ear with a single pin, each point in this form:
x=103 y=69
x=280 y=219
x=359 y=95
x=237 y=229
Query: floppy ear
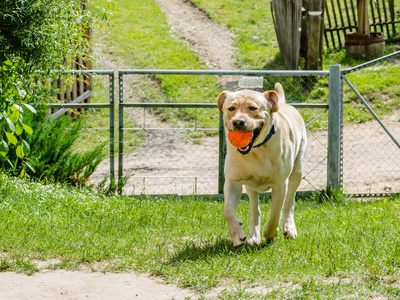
x=273 y=99
x=221 y=100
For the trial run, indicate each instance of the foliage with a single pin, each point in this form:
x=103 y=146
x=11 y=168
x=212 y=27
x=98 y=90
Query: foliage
x=52 y=158
x=13 y=96
x=45 y=33
x=36 y=36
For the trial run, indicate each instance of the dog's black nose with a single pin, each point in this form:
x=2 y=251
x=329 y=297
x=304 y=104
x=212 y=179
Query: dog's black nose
x=239 y=123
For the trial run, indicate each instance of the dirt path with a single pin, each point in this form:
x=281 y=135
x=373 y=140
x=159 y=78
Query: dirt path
x=210 y=40
x=87 y=285
x=214 y=45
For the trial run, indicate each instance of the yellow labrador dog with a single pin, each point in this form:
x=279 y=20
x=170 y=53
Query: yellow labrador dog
x=272 y=160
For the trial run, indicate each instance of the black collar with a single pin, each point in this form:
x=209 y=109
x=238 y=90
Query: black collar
x=269 y=135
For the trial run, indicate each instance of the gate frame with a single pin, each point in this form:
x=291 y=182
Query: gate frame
x=222 y=142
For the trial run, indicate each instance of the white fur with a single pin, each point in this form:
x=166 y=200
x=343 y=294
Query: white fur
x=276 y=165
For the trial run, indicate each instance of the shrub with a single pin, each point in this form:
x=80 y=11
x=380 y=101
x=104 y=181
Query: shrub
x=36 y=37
x=51 y=157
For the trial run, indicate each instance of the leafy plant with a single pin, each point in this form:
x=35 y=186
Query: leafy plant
x=52 y=158
x=36 y=36
x=13 y=96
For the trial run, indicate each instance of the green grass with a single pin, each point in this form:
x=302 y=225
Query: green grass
x=344 y=247
x=142 y=38
x=251 y=22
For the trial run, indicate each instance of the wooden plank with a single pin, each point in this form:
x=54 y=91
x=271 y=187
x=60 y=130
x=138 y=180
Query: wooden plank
x=373 y=24
x=80 y=99
x=336 y=24
x=353 y=12
x=341 y=17
x=330 y=28
x=288 y=12
x=347 y=12
x=392 y=17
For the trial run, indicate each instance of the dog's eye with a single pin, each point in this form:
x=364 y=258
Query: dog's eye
x=252 y=108
x=231 y=108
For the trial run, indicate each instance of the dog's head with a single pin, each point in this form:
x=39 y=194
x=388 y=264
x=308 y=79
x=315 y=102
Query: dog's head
x=248 y=111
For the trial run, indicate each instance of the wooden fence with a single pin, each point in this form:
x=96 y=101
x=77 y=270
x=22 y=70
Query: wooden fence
x=341 y=18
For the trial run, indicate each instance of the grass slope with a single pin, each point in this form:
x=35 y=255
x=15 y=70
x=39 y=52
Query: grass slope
x=344 y=247
x=144 y=40
x=141 y=37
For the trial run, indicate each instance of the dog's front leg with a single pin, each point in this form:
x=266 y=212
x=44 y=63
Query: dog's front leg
x=255 y=217
x=232 y=192
x=278 y=194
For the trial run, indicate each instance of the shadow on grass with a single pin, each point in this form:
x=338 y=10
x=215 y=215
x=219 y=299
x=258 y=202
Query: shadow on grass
x=194 y=251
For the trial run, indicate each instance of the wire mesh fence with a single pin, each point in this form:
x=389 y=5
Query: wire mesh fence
x=168 y=145
x=176 y=154
x=98 y=120
x=172 y=158
x=371 y=152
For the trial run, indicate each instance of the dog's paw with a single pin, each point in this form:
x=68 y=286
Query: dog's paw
x=270 y=235
x=238 y=242
x=238 y=237
x=254 y=238
x=289 y=230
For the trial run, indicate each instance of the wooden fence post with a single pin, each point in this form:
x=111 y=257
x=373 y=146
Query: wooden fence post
x=314 y=33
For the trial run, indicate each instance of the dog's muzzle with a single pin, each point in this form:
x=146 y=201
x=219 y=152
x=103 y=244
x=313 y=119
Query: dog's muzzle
x=256 y=133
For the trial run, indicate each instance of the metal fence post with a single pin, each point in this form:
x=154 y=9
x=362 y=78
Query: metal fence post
x=335 y=128
x=120 y=131
x=112 y=129
x=222 y=154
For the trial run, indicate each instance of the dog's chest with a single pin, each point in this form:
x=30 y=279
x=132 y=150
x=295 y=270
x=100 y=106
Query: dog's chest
x=260 y=176
x=260 y=184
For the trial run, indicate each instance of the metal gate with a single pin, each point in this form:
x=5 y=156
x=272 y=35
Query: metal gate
x=185 y=157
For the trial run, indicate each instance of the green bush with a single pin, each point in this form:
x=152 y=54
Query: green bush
x=36 y=37
x=51 y=157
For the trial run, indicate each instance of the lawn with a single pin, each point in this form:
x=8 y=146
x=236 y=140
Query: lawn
x=345 y=247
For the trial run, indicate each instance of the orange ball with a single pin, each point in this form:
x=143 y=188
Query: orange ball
x=240 y=139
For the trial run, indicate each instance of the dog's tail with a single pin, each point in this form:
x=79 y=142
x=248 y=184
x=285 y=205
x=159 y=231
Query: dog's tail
x=280 y=92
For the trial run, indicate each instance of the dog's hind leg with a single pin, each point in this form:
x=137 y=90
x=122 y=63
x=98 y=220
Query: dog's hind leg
x=232 y=193
x=278 y=197
x=255 y=217
x=288 y=225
